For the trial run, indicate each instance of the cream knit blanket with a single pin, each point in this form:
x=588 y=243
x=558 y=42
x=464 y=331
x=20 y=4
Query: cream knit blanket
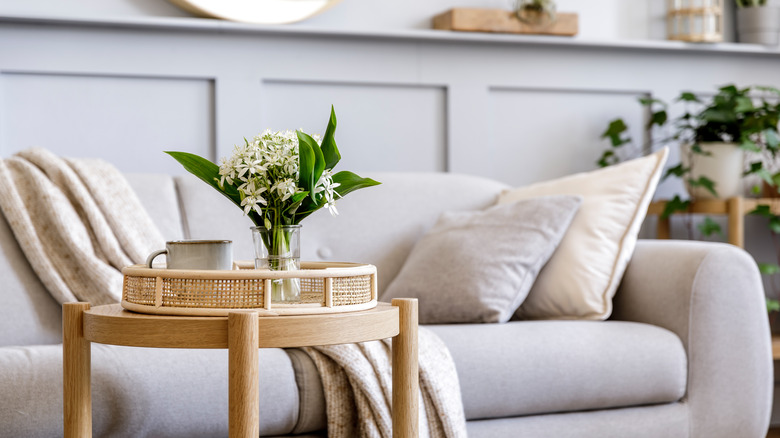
x=77 y=221
x=357 y=381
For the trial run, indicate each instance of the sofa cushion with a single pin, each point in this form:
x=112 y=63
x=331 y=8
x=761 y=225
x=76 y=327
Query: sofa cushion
x=669 y=420
x=581 y=278
x=540 y=367
x=478 y=266
x=141 y=392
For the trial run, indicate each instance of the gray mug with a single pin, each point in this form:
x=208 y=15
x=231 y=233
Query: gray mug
x=196 y=254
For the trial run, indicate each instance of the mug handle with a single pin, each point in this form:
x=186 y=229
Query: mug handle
x=152 y=256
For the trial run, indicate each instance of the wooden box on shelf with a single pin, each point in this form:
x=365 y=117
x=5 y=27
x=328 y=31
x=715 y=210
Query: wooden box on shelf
x=499 y=20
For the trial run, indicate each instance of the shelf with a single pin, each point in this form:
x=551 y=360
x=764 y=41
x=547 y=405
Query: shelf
x=206 y=25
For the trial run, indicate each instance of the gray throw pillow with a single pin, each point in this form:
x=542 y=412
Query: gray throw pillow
x=478 y=266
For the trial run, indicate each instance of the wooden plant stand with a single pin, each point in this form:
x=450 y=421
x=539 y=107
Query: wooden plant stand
x=735 y=208
x=242 y=332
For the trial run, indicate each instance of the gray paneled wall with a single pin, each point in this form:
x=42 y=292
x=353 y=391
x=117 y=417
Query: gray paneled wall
x=518 y=109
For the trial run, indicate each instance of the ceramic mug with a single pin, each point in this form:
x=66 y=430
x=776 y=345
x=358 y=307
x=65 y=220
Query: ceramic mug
x=196 y=254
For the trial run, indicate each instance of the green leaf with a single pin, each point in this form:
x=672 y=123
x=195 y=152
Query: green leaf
x=765 y=176
x=349 y=182
x=674 y=205
x=317 y=162
x=771 y=137
x=647 y=101
x=705 y=182
x=658 y=118
x=329 y=149
x=766 y=89
x=772 y=305
x=207 y=171
x=761 y=210
x=774 y=224
x=687 y=96
x=754 y=167
x=730 y=89
x=608 y=158
x=678 y=171
x=306 y=167
x=708 y=227
x=749 y=145
x=769 y=269
x=744 y=104
x=614 y=131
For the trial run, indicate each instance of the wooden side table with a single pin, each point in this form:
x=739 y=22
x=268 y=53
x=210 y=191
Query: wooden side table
x=735 y=208
x=242 y=332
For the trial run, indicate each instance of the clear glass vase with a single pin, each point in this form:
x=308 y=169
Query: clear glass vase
x=279 y=249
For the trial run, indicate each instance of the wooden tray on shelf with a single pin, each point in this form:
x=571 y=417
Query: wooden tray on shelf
x=326 y=287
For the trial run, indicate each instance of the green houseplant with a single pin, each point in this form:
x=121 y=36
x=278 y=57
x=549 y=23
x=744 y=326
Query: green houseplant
x=278 y=179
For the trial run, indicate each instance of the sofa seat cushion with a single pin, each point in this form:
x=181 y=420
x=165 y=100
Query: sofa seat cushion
x=141 y=392
x=537 y=367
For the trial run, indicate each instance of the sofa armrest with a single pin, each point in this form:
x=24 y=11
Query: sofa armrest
x=712 y=297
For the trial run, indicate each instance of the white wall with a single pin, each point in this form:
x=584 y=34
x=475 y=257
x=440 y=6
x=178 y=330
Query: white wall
x=599 y=19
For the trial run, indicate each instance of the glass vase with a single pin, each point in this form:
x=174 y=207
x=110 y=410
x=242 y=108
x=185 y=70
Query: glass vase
x=279 y=249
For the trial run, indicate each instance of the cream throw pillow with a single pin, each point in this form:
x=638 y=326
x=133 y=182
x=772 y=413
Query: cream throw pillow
x=582 y=276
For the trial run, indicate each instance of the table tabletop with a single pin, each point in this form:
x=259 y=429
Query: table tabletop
x=111 y=324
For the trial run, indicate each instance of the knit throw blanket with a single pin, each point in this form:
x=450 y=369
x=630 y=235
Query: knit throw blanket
x=77 y=221
x=357 y=381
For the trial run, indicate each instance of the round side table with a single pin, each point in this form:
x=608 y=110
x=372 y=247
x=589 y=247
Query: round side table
x=242 y=332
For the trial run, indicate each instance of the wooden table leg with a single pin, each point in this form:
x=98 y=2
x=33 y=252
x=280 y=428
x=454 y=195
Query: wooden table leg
x=76 y=372
x=244 y=380
x=406 y=381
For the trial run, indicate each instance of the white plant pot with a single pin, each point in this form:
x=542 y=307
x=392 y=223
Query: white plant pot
x=724 y=166
x=759 y=25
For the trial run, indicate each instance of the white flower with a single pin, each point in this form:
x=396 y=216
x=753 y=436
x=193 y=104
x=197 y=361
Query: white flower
x=326 y=186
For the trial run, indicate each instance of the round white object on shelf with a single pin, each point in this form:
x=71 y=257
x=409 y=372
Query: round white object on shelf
x=256 y=11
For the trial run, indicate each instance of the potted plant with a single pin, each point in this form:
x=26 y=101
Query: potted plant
x=535 y=12
x=758 y=21
x=713 y=135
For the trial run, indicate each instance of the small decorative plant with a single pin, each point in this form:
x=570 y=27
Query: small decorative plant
x=535 y=12
x=278 y=179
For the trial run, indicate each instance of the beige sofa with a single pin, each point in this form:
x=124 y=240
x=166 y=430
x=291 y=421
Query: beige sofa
x=686 y=353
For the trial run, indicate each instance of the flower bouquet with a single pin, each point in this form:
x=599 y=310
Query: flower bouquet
x=278 y=179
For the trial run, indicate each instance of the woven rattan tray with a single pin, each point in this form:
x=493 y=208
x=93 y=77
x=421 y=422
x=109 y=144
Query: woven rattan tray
x=326 y=287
